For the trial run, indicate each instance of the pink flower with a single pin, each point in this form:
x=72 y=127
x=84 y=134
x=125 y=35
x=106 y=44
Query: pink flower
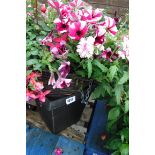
x=85 y=47
x=62 y=83
x=62 y=25
x=110 y=24
x=41 y=95
x=58 y=151
x=30 y=95
x=37 y=85
x=51 y=80
x=59 y=50
x=76 y=4
x=109 y=55
x=43 y=8
x=91 y=16
x=64 y=69
x=56 y=4
x=124 y=53
x=47 y=41
x=100 y=35
x=64 y=12
x=77 y=30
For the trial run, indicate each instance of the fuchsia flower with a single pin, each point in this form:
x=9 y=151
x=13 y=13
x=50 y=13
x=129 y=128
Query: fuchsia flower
x=110 y=24
x=43 y=8
x=36 y=85
x=51 y=80
x=77 y=30
x=85 y=47
x=41 y=95
x=30 y=95
x=62 y=25
x=64 y=69
x=109 y=55
x=62 y=83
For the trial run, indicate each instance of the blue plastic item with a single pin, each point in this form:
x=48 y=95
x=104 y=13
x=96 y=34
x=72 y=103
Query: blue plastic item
x=94 y=144
x=70 y=147
x=39 y=142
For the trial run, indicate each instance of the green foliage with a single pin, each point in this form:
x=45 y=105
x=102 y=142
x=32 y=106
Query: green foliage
x=100 y=65
x=114 y=113
x=89 y=66
x=112 y=72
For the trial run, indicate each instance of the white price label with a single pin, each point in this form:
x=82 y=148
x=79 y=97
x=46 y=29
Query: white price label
x=70 y=100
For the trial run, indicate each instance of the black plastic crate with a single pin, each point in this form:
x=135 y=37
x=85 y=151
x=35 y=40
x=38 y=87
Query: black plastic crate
x=60 y=113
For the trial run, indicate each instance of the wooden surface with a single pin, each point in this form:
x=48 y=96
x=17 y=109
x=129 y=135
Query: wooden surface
x=75 y=132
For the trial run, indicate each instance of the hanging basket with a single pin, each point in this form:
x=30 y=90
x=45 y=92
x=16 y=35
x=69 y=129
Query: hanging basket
x=63 y=107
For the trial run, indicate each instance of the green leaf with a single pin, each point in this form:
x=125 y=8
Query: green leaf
x=116 y=153
x=124 y=134
x=112 y=72
x=114 y=113
x=31 y=62
x=44 y=26
x=32 y=36
x=81 y=73
x=89 y=66
x=99 y=65
x=74 y=57
x=126 y=108
x=118 y=92
x=34 y=52
x=124 y=149
x=113 y=144
x=124 y=78
x=98 y=92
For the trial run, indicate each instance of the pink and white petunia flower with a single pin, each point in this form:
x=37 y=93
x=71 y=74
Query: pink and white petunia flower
x=85 y=48
x=109 y=55
x=110 y=24
x=91 y=16
x=78 y=30
x=59 y=50
x=64 y=12
x=47 y=41
x=62 y=83
x=42 y=95
x=76 y=4
x=51 y=80
x=124 y=53
x=100 y=35
x=56 y=4
x=64 y=69
x=62 y=25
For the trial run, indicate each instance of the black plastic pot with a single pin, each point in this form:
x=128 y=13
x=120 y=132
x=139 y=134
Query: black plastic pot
x=60 y=113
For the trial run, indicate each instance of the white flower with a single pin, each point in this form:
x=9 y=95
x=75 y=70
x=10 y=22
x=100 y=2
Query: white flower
x=85 y=47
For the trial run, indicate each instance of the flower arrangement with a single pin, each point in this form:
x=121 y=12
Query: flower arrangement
x=82 y=41
x=74 y=38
